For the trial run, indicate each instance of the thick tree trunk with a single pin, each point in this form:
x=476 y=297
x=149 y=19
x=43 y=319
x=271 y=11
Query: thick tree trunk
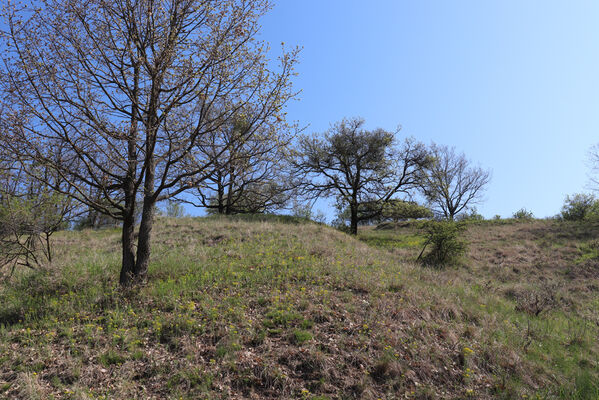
x=128 y=257
x=147 y=215
x=147 y=221
x=143 y=241
x=353 y=229
x=128 y=236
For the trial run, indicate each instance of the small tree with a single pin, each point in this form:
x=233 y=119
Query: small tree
x=450 y=183
x=305 y=211
x=358 y=167
x=471 y=215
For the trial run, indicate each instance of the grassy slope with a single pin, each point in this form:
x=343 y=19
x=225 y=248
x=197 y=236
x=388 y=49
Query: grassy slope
x=255 y=309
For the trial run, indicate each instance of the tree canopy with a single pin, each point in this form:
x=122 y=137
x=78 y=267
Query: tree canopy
x=128 y=88
x=358 y=166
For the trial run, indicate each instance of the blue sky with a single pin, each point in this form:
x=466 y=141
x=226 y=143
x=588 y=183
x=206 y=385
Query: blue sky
x=512 y=84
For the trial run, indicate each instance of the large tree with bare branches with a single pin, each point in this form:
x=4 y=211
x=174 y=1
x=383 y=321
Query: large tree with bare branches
x=129 y=88
x=451 y=183
x=359 y=167
x=249 y=175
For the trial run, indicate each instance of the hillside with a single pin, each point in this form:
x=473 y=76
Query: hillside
x=279 y=308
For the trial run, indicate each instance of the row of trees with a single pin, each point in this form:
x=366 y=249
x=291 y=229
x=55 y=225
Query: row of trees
x=366 y=170
x=108 y=108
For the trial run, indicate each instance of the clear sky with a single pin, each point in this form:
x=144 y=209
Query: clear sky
x=514 y=84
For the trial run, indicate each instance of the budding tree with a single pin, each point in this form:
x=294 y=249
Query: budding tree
x=128 y=88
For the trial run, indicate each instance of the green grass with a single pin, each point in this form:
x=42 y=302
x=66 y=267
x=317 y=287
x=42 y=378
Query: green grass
x=271 y=307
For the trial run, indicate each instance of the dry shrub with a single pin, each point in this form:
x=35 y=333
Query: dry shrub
x=534 y=302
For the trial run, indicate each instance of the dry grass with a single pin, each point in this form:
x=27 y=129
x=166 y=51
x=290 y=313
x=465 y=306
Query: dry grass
x=259 y=308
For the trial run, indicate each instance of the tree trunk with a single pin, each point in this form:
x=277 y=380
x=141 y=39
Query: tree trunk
x=48 y=247
x=128 y=236
x=229 y=208
x=143 y=241
x=147 y=216
x=354 y=219
x=221 y=195
x=128 y=257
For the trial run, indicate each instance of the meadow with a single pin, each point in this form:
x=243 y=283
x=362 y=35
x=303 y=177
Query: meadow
x=277 y=307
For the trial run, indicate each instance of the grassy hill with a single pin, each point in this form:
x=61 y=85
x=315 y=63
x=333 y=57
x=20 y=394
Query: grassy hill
x=279 y=308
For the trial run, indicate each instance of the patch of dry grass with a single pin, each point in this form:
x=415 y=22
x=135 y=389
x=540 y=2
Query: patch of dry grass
x=255 y=308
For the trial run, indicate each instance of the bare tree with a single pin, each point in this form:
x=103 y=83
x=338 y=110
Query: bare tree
x=129 y=87
x=593 y=164
x=249 y=175
x=358 y=167
x=450 y=183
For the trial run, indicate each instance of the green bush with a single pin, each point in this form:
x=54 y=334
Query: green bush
x=398 y=210
x=523 y=214
x=447 y=246
x=580 y=206
x=471 y=215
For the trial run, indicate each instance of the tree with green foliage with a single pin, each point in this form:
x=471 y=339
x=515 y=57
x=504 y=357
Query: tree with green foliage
x=400 y=210
x=579 y=207
x=358 y=167
x=471 y=215
x=393 y=210
x=129 y=89
x=305 y=211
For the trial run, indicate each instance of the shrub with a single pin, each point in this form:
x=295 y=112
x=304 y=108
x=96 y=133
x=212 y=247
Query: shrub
x=523 y=214
x=447 y=245
x=580 y=206
x=471 y=215
x=399 y=210
x=378 y=212
x=26 y=224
